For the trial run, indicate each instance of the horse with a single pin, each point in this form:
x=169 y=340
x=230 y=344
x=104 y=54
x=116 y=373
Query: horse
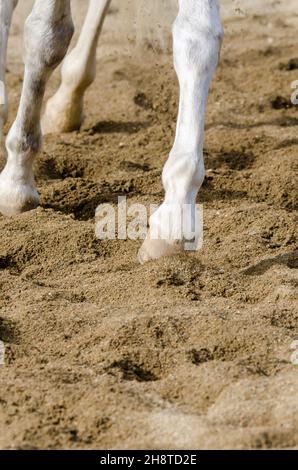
x=197 y=37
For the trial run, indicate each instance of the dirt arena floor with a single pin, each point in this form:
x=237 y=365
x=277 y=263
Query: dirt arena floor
x=188 y=352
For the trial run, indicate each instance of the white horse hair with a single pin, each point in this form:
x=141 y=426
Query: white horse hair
x=197 y=36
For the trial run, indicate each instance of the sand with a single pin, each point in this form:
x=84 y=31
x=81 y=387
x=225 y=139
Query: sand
x=192 y=351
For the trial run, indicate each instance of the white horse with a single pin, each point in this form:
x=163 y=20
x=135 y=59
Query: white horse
x=197 y=36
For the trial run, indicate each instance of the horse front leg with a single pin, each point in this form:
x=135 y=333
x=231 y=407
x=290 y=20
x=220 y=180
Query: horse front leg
x=48 y=31
x=6 y=11
x=197 y=35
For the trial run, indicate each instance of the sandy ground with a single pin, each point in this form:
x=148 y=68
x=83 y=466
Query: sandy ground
x=188 y=352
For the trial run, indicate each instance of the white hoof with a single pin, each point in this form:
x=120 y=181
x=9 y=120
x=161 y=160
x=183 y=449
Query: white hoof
x=16 y=198
x=61 y=115
x=170 y=232
x=155 y=249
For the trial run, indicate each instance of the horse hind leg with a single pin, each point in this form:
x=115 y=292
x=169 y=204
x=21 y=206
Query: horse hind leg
x=64 y=111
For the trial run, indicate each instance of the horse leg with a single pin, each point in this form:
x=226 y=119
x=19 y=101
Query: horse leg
x=197 y=35
x=64 y=111
x=6 y=11
x=48 y=31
